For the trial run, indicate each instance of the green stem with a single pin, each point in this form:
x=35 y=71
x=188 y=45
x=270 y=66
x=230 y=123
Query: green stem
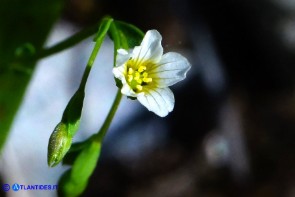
x=71 y=41
x=72 y=113
x=98 y=137
x=116 y=39
x=105 y=25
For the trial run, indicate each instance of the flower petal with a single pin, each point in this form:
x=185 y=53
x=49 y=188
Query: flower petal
x=160 y=101
x=171 y=69
x=122 y=57
x=150 y=47
x=127 y=90
x=119 y=72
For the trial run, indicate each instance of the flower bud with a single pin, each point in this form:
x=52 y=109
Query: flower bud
x=59 y=143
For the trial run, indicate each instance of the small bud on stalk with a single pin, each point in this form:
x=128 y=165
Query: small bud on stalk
x=59 y=144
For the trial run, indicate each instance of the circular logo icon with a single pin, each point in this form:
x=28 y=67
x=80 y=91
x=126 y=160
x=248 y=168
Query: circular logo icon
x=6 y=187
x=15 y=187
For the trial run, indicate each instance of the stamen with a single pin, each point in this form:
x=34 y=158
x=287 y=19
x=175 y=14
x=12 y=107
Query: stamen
x=139 y=87
x=137 y=76
x=141 y=69
x=130 y=78
x=130 y=71
x=139 y=81
x=147 y=80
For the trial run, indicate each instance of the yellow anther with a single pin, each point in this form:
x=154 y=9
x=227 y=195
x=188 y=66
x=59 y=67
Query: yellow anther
x=147 y=80
x=130 y=78
x=141 y=69
x=137 y=76
x=139 y=87
x=130 y=71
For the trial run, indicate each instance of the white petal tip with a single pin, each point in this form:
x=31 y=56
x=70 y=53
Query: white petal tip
x=122 y=51
x=160 y=101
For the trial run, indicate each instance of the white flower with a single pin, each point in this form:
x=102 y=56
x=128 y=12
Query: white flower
x=146 y=73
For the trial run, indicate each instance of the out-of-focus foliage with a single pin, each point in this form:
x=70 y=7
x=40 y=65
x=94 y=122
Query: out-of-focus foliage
x=24 y=28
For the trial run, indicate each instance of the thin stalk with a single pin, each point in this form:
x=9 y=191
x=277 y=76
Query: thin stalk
x=69 y=42
x=98 y=137
x=99 y=39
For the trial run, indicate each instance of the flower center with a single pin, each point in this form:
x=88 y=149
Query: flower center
x=137 y=78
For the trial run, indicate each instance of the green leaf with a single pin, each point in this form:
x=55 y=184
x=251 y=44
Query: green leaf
x=74 y=181
x=21 y=22
x=125 y=35
x=74 y=151
x=24 y=51
x=72 y=114
x=132 y=33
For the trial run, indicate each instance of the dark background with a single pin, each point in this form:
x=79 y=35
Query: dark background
x=239 y=94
